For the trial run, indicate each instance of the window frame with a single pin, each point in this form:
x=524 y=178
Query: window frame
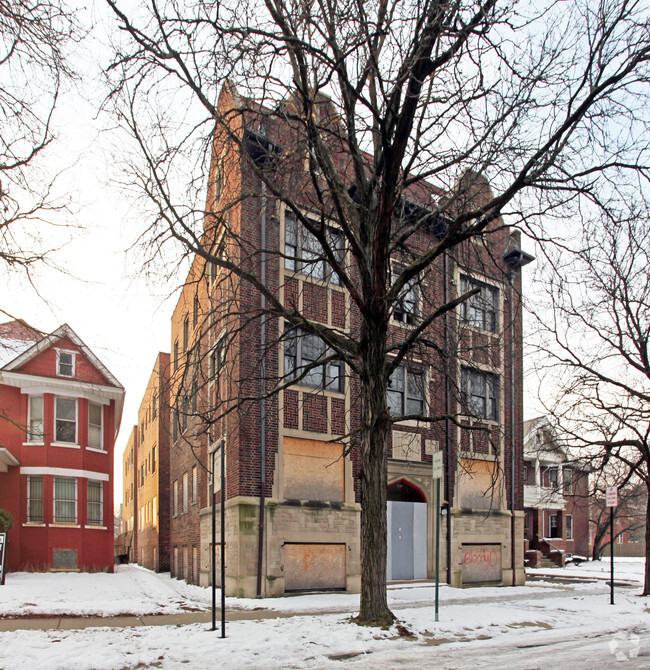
x=31 y=517
x=186 y=493
x=407 y=308
x=409 y=376
x=490 y=380
x=569 y=527
x=297 y=252
x=57 y=440
x=295 y=338
x=195 y=485
x=57 y=517
x=99 y=446
x=59 y=363
x=32 y=435
x=175 y=501
x=97 y=505
x=567 y=482
x=489 y=321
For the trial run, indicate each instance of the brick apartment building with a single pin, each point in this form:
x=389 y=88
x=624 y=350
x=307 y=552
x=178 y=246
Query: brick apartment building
x=145 y=462
x=556 y=498
x=293 y=508
x=60 y=410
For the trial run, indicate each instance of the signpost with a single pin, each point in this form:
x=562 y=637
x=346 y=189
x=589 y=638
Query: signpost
x=436 y=473
x=611 y=500
x=3 y=546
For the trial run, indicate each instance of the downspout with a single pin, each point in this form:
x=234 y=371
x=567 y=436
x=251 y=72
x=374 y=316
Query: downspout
x=447 y=459
x=511 y=278
x=260 y=539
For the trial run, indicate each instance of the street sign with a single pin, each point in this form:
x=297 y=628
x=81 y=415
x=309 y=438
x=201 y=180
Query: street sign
x=436 y=471
x=611 y=496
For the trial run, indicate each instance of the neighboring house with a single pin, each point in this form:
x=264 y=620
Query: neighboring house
x=145 y=469
x=556 y=497
x=60 y=410
x=292 y=488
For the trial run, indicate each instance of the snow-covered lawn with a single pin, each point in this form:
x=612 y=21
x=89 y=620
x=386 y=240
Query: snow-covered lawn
x=491 y=627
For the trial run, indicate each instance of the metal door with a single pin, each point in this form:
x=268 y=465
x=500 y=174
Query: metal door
x=407 y=540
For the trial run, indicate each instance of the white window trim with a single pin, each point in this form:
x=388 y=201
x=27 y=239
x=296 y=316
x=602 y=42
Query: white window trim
x=101 y=502
x=73 y=354
x=74 y=444
x=101 y=426
x=30 y=441
x=75 y=523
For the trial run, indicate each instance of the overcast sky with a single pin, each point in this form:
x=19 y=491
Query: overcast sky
x=101 y=294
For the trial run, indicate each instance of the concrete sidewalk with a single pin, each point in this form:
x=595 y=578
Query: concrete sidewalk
x=77 y=622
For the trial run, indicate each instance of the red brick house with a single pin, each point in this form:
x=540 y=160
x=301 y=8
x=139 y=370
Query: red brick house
x=293 y=503
x=60 y=410
x=556 y=497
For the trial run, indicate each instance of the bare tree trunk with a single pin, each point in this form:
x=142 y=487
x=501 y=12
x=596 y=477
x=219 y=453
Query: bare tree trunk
x=374 y=437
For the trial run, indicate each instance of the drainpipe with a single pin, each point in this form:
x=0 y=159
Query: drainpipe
x=447 y=459
x=515 y=259
x=260 y=539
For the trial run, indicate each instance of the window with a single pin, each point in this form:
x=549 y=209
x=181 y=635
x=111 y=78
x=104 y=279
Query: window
x=480 y=310
x=301 y=351
x=155 y=512
x=35 y=419
x=95 y=503
x=95 y=433
x=186 y=492
x=175 y=497
x=186 y=333
x=65 y=500
x=65 y=363
x=153 y=459
x=218 y=357
x=407 y=305
x=195 y=312
x=569 y=526
x=552 y=523
x=65 y=420
x=35 y=499
x=154 y=408
x=176 y=355
x=305 y=254
x=551 y=478
x=567 y=476
x=174 y=426
x=195 y=485
x=405 y=393
x=480 y=393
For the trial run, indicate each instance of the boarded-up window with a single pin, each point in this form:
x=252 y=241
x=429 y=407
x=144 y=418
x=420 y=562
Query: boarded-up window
x=314 y=567
x=64 y=559
x=313 y=470
x=480 y=484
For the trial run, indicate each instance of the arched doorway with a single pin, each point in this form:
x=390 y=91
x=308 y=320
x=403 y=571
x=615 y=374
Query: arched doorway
x=407 y=532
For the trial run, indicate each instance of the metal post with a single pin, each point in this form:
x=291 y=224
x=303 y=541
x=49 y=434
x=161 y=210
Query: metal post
x=437 y=542
x=611 y=555
x=214 y=547
x=223 y=539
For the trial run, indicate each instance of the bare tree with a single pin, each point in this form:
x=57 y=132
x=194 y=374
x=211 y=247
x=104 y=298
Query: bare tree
x=34 y=38
x=596 y=343
x=388 y=103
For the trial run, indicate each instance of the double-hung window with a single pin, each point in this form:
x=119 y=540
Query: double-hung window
x=479 y=311
x=95 y=503
x=95 y=433
x=35 y=499
x=65 y=363
x=186 y=492
x=35 y=419
x=302 y=353
x=304 y=253
x=480 y=393
x=65 y=500
x=65 y=412
x=407 y=305
x=405 y=393
x=569 y=526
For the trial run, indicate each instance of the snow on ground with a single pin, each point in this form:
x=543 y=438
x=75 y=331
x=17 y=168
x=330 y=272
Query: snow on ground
x=487 y=627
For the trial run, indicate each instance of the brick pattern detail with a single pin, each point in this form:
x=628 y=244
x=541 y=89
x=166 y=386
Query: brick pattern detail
x=314 y=302
x=314 y=417
x=291 y=409
x=337 y=314
x=337 y=408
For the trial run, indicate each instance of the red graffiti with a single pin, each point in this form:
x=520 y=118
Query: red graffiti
x=485 y=558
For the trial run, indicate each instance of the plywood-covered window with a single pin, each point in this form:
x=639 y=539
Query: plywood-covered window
x=313 y=470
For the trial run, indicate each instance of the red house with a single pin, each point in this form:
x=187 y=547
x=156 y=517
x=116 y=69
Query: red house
x=60 y=411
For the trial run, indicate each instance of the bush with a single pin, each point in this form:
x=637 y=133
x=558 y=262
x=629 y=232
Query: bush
x=6 y=521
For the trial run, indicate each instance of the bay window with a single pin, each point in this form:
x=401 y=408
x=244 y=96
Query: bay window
x=65 y=411
x=95 y=503
x=35 y=419
x=95 y=416
x=65 y=500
